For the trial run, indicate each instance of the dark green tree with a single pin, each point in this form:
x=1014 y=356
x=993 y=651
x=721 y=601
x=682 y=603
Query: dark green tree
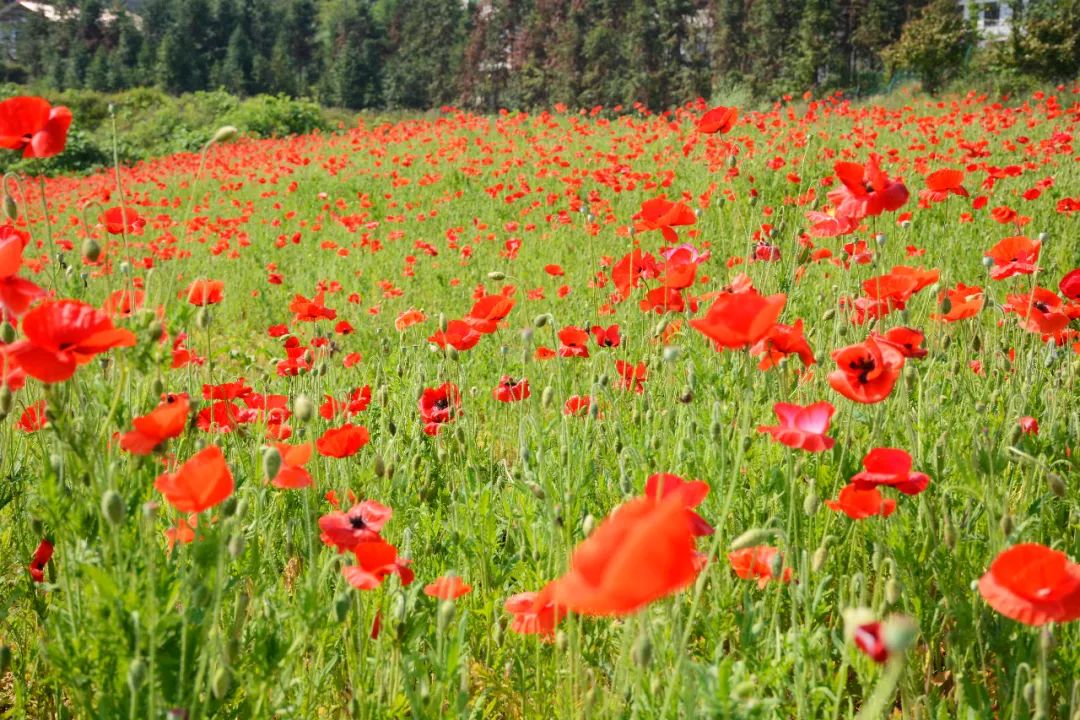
x=425 y=43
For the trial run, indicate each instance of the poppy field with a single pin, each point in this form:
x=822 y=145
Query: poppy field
x=714 y=412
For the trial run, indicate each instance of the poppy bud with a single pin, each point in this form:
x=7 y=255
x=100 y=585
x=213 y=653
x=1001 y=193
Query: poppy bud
x=987 y=261
x=1043 y=237
x=446 y=615
x=91 y=251
x=225 y=133
x=542 y=320
x=892 y=591
x=236 y=546
x=125 y=268
x=496 y=275
x=136 y=674
x=535 y=489
x=442 y=322
x=5 y=659
x=879 y=238
x=561 y=641
x=202 y=318
x=302 y=408
x=8 y=333
x=642 y=650
x=949 y=533
x=452 y=353
x=112 y=507
x=1006 y=524
x=687 y=395
x=11 y=208
x=1029 y=693
x=753 y=536
x=587 y=525
x=546 y=397
x=1057 y=485
x=219 y=685
x=56 y=462
x=271 y=462
x=671 y=353
x=811 y=503
x=380 y=466
x=746 y=443
x=821 y=556
x=7 y=400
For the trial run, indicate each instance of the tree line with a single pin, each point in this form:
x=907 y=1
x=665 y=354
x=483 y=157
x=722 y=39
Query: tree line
x=515 y=53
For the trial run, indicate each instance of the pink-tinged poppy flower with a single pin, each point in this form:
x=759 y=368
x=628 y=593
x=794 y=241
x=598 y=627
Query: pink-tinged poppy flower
x=375 y=561
x=449 y=587
x=361 y=523
x=802 y=428
x=781 y=341
x=761 y=563
x=1033 y=584
x=859 y=504
x=511 y=390
x=534 y=614
x=408 y=319
x=865 y=190
x=868 y=639
x=660 y=486
x=41 y=558
x=32 y=125
x=891 y=467
x=344 y=441
x=1029 y=425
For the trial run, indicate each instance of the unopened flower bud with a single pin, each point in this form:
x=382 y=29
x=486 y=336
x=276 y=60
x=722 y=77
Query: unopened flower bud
x=587 y=525
x=11 y=208
x=1057 y=485
x=91 y=251
x=752 y=537
x=542 y=320
x=225 y=133
x=303 y=408
x=821 y=556
x=8 y=333
x=202 y=318
x=642 y=650
x=236 y=546
x=342 y=602
x=271 y=462
x=892 y=591
x=446 y=615
x=546 y=397
x=220 y=683
x=136 y=675
x=496 y=275
x=112 y=507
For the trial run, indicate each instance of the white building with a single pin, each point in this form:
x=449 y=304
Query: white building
x=993 y=18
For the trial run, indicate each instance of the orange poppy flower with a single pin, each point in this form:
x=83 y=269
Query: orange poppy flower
x=32 y=125
x=449 y=587
x=760 y=562
x=866 y=372
x=1033 y=584
x=165 y=421
x=292 y=475
x=740 y=319
x=860 y=503
x=205 y=292
x=344 y=441
x=200 y=483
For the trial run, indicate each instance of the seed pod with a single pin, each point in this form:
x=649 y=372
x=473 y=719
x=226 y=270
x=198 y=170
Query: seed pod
x=446 y=615
x=136 y=674
x=1029 y=693
x=236 y=546
x=271 y=462
x=220 y=683
x=303 y=408
x=112 y=507
x=91 y=251
x=892 y=591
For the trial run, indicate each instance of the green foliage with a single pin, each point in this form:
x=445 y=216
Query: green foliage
x=934 y=45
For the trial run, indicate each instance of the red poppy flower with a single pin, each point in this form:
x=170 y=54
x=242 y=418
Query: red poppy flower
x=343 y=442
x=866 y=190
x=642 y=552
x=16 y=293
x=1014 y=255
x=892 y=467
x=121 y=220
x=718 y=120
x=866 y=372
x=1070 y=285
x=908 y=341
x=165 y=421
x=449 y=587
x=628 y=272
x=1033 y=584
x=63 y=334
x=1040 y=312
x=661 y=486
x=408 y=319
x=761 y=562
x=362 y=523
x=439 y=406
x=578 y=405
x=32 y=125
x=740 y=319
x=869 y=640
x=633 y=376
x=964 y=302
x=292 y=475
x=940 y=184
x=200 y=483
x=205 y=292
x=42 y=555
x=313 y=310
x=663 y=214
x=123 y=302
x=459 y=335
x=375 y=561
x=33 y=417
x=1029 y=425
x=800 y=427
x=534 y=614
x=488 y=312
x=554 y=270
x=781 y=341
x=859 y=504
x=357 y=401
x=511 y=390
x=573 y=342
x=826 y=225
x=606 y=337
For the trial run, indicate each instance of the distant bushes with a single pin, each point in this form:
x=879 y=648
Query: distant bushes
x=150 y=123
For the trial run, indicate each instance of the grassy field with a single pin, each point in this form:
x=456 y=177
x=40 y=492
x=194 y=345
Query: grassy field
x=184 y=584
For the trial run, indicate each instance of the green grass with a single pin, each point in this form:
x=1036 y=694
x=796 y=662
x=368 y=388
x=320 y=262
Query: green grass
x=267 y=627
